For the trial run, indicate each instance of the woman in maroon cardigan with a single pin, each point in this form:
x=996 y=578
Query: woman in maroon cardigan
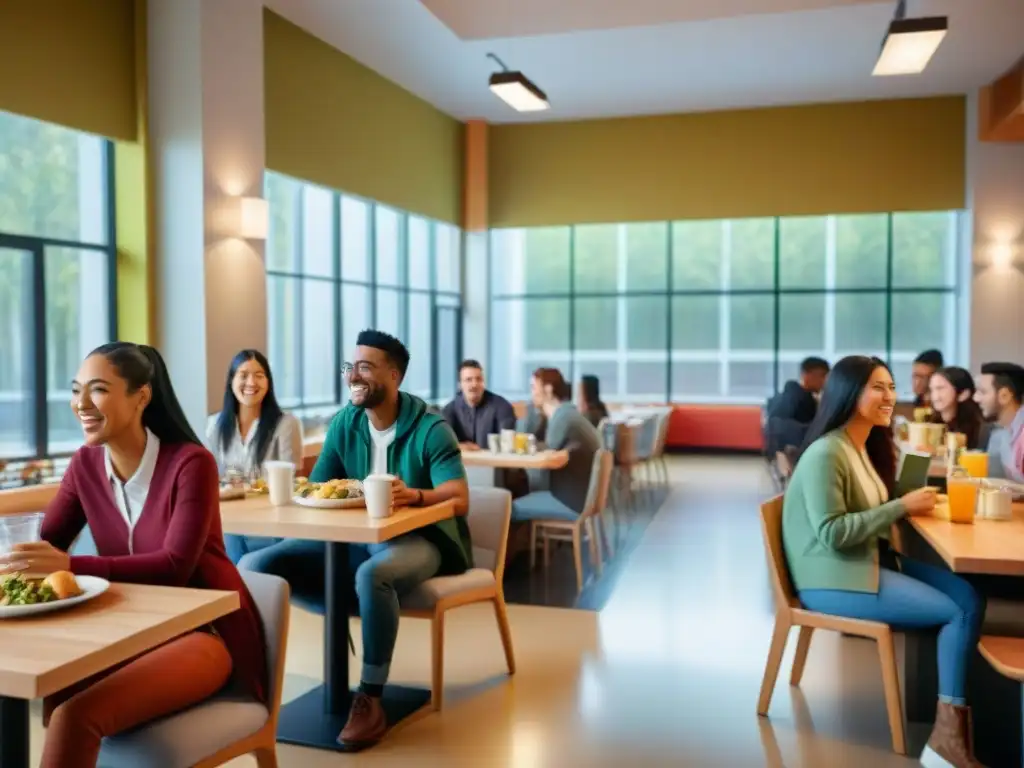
x=149 y=492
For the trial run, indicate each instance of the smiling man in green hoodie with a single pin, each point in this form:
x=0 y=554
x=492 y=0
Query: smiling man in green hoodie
x=383 y=431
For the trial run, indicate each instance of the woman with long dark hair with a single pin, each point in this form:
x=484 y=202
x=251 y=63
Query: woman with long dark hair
x=250 y=429
x=839 y=508
x=951 y=393
x=588 y=400
x=148 y=491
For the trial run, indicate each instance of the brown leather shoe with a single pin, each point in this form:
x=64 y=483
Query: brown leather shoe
x=950 y=745
x=367 y=724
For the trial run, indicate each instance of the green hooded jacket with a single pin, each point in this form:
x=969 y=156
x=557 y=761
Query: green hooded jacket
x=424 y=454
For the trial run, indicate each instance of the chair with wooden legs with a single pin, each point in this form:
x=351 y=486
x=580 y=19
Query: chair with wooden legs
x=230 y=724
x=490 y=513
x=588 y=525
x=789 y=614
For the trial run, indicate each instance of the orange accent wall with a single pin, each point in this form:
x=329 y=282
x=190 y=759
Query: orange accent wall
x=474 y=191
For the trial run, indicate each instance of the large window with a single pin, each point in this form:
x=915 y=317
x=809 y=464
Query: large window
x=57 y=290
x=719 y=311
x=337 y=264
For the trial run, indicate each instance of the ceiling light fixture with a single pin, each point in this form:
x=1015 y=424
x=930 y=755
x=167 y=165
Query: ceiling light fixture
x=516 y=89
x=910 y=43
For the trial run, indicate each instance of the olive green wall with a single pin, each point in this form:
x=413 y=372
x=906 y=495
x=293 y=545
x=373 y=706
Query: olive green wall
x=70 y=62
x=819 y=159
x=334 y=122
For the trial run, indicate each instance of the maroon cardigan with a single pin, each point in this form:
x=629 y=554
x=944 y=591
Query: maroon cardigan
x=177 y=540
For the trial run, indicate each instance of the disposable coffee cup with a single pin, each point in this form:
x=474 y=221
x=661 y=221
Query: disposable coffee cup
x=280 y=482
x=508 y=440
x=494 y=443
x=377 y=491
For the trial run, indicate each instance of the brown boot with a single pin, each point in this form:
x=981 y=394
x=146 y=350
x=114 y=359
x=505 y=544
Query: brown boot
x=367 y=724
x=950 y=745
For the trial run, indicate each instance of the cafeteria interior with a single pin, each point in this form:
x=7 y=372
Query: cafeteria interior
x=673 y=211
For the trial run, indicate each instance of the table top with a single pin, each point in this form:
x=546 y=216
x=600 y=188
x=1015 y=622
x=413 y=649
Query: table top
x=988 y=546
x=256 y=516
x=539 y=460
x=45 y=654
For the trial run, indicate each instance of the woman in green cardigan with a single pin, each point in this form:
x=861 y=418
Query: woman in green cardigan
x=838 y=510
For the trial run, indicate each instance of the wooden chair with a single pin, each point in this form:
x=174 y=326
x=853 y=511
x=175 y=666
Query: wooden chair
x=588 y=525
x=789 y=613
x=1005 y=654
x=230 y=724
x=490 y=513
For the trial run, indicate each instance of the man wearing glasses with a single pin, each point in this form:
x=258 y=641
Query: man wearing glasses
x=382 y=431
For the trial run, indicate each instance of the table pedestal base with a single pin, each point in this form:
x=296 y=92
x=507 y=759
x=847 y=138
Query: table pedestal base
x=14 y=740
x=307 y=723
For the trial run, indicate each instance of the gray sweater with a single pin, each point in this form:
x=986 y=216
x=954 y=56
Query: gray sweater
x=568 y=430
x=285 y=445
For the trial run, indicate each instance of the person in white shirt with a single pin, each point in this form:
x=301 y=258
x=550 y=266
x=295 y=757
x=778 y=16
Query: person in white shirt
x=250 y=429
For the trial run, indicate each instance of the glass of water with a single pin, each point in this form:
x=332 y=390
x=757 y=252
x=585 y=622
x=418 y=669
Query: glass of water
x=19 y=529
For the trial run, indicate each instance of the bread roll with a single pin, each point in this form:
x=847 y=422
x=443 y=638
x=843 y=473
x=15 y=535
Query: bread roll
x=63 y=584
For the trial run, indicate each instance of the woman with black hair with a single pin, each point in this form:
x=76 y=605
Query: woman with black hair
x=148 y=491
x=839 y=508
x=951 y=393
x=588 y=400
x=250 y=429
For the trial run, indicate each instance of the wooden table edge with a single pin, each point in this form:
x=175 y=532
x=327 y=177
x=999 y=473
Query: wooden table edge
x=981 y=566
x=38 y=686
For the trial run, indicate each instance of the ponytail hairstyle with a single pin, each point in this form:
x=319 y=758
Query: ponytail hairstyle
x=139 y=365
x=270 y=410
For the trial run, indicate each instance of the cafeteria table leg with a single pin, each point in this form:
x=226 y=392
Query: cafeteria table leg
x=14 y=743
x=316 y=718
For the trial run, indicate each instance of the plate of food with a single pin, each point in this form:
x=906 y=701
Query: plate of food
x=22 y=595
x=334 y=494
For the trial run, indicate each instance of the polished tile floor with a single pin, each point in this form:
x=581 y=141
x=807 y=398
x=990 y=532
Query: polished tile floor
x=667 y=674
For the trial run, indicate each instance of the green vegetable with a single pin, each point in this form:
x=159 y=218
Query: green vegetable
x=17 y=590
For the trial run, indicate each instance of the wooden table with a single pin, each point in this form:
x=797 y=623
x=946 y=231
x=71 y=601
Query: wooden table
x=988 y=553
x=539 y=460
x=316 y=718
x=45 y=654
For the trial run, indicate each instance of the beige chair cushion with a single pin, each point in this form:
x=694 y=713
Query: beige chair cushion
x=427 y=594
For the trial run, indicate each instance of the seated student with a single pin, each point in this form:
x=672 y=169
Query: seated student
x=589 y=400
x=148 y=491
x=476 y=412
x=925 y=364
x=560 y=492
x=250 y=429
x=382 y=431
x=951 y=394
x=1001 y=398
x=792 y=410
x=838 y=510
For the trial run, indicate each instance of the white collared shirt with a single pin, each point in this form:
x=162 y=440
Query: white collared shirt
x=130 y=496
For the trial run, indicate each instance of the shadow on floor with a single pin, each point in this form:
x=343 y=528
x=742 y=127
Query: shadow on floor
x=555 y=586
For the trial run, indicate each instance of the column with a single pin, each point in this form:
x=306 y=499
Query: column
x=476 y=256
x=206 y=124
x=994 y=236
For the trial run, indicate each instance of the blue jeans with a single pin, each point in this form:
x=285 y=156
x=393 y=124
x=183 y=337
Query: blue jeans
x=239 y=546
x=917 y=597
x=382 y=573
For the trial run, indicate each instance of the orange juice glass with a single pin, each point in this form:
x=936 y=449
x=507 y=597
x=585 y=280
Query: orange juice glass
x=522 y=442
x=963 y=499
x=975 y=462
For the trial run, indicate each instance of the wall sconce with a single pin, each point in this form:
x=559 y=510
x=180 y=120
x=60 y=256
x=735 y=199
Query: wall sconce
x=249 y=218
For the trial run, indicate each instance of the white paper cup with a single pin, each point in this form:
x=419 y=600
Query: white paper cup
x=377 y=490
x=280 y=481
x=508 y=440
x=494 y=443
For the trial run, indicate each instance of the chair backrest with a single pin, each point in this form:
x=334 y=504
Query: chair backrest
x=771 y=528
x=664 y=419
x=490 y=514
x=600 y=479
x=271 y=595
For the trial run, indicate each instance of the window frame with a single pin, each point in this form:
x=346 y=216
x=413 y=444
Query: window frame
x=37 y=246
x=724 y=355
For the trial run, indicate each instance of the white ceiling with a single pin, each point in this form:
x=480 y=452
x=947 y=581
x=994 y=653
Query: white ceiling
x=638 y=57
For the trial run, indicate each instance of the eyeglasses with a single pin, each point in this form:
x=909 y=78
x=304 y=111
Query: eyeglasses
x=363 y=368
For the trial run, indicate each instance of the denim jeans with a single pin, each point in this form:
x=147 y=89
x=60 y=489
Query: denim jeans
x=239 y=546
x=917 y=597
x=381 y=572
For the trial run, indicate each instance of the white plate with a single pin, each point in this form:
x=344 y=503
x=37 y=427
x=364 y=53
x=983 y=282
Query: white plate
x=305 y=501
x=92 y=586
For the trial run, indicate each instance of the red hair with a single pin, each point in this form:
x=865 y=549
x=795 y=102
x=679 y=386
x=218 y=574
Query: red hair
x=553 y=377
